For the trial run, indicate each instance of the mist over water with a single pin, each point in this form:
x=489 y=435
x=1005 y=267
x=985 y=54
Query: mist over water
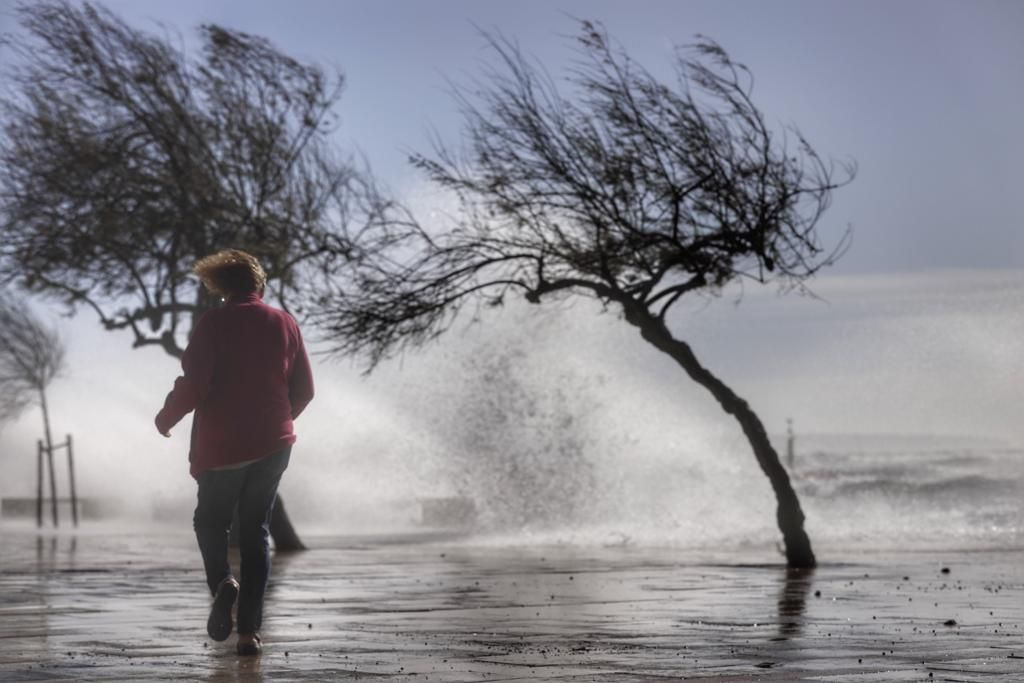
x=915 y=493
x=561 y=425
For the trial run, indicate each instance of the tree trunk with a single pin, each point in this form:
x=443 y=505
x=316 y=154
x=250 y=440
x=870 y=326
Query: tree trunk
x=789 y=515
x=282 y=531
x=49 y=452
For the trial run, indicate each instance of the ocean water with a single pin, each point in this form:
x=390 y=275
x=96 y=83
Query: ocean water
x=911 y=494
x=914 y=493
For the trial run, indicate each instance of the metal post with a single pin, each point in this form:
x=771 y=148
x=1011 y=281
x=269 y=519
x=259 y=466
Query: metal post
x=790 y=444
x=71 y=480
x=39 y=482
x=53 y=485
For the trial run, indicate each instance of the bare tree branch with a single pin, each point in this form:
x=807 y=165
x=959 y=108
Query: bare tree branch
x=123 y=160
x=625 y=189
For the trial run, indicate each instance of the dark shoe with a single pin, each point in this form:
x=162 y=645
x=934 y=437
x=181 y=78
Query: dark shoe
x=219 y=625
x=249 y=645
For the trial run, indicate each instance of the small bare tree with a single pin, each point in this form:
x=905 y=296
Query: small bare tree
x=31 y=356
x=630 y=191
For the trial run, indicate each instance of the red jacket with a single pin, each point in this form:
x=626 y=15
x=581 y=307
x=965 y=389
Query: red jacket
x=247 y=376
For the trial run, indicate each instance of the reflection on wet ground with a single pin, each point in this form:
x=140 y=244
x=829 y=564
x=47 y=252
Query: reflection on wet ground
x=793 y=601
x=115 y=606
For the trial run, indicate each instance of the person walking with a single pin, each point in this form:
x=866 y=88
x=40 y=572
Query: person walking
x=247 y=376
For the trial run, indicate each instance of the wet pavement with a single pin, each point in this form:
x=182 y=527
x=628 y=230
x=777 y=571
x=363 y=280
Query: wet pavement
x=127 y=605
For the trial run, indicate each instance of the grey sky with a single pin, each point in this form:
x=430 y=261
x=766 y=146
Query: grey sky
x=926 y=96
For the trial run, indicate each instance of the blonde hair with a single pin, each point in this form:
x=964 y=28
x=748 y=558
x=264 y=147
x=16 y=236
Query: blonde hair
x=231 y=272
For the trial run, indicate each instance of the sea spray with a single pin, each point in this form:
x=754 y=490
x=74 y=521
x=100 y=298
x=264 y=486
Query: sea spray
x=517 y=444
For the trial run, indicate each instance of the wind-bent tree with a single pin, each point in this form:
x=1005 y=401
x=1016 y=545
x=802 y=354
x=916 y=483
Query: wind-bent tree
x=31 y=356
x=628 y=190
x=123 y=160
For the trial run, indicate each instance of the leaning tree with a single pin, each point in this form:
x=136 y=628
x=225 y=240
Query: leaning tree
x=124 y=159
x=31 y=357
x=627 y=190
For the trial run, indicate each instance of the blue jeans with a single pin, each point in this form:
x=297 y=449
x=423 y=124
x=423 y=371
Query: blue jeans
x=252 y=489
